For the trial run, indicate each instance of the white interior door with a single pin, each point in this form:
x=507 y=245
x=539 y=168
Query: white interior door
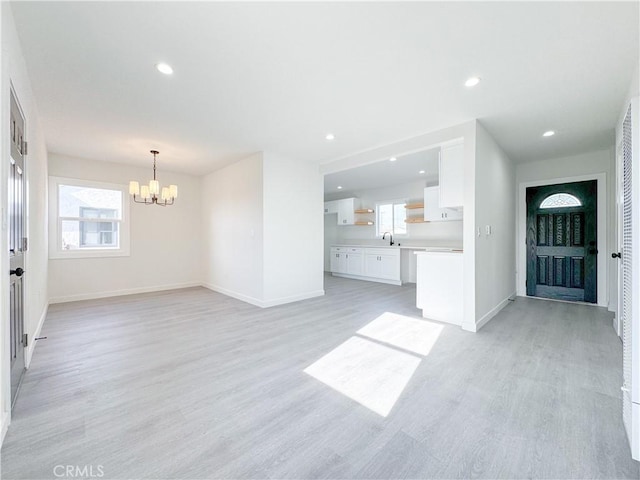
x=16 y=246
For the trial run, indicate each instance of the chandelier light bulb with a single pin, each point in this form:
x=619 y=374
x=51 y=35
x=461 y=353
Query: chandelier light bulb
x=153 y=194
x=134 y=188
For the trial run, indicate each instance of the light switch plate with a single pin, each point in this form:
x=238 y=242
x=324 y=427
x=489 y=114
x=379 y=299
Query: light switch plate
x=487 y=229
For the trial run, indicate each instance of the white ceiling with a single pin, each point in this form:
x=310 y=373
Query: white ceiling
x=404 y=169
x=279 y=76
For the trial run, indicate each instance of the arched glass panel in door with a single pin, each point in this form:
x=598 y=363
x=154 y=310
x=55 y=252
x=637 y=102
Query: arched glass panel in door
x=560 y=200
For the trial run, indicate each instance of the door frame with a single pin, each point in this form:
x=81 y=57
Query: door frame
x=603 y=247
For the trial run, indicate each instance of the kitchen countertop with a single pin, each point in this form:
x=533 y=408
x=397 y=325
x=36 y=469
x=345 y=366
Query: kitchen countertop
x=439 y=250
x=426 y=248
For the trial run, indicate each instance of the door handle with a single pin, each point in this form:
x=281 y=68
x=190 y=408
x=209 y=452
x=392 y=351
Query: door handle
x=616 y=255
x=18 y=272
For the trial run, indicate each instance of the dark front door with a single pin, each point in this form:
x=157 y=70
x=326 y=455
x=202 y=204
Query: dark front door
x=16 y=246
x=561 y=241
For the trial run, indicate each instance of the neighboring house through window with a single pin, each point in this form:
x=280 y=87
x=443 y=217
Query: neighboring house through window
x=89 y=219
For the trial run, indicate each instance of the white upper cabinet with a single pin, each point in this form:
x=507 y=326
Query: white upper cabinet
x=331 y=207
x=432 y=210
x=451 y=176
x=345 y=209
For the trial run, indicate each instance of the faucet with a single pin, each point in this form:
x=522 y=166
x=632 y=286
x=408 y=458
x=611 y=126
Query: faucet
x=390 y=238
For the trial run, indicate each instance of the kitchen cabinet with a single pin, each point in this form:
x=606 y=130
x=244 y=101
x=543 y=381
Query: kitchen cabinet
x=433 y=212
x=439 y=286
x=382 y=263
x=373 y=264
x=451 y=166
x=331 y=207
x=338 y=260
x=355 y=261
x=345 y=209
x=347 y=260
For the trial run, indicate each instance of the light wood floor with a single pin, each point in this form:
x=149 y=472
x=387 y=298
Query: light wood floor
x=193 y=384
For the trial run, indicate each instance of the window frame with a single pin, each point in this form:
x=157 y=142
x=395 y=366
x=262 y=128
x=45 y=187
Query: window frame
x=558 y=194
x=55 y=221
x=393 y=203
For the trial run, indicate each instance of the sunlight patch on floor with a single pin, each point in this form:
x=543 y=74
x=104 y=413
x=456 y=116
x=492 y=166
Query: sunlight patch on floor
x=367 y=372
x=373 y=374
x=417 y=336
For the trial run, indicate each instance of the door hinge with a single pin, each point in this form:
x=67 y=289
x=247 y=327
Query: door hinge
x=24 y=148
x=25 y=244
x=25 y=339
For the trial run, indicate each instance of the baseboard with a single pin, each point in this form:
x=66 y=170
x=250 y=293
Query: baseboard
x=118 y=293
x=233 y=294
x=488 y=316
x=367 y=279
x=262 y=303
x=32 y=340
x=293 y=298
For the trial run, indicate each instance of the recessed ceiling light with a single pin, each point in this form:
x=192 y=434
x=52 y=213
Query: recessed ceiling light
x=392 y=159
x=330 y=136
x=339 y=187
x=421 y=171
x=472 y=82
x=164 y=68
x=549 y=133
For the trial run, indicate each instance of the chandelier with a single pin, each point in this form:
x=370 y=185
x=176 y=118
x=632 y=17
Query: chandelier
x=152 y=194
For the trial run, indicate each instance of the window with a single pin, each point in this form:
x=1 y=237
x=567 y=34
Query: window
x=560 y=200
x=390 y=217
x=89 y=219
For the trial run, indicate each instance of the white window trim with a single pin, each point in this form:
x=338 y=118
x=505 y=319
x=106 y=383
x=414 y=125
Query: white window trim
x=386 y=202
x=55 y=247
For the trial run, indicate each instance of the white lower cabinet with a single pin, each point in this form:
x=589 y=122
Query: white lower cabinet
x=347 y=260
x=374 y=264
x=382 y=263
x=355 y=261
x=338 y=260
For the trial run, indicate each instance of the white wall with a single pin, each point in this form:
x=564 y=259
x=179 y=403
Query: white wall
x=494 y=206
x=578 y=166
x=14 y=72
x=165 y=241
x=232 y=219
x=293 y=223
x=263 y=230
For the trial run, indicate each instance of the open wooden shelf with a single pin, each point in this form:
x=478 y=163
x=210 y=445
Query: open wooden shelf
x=364 y=210
x=362 y=222
x=413 y=206
x=415 y=220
